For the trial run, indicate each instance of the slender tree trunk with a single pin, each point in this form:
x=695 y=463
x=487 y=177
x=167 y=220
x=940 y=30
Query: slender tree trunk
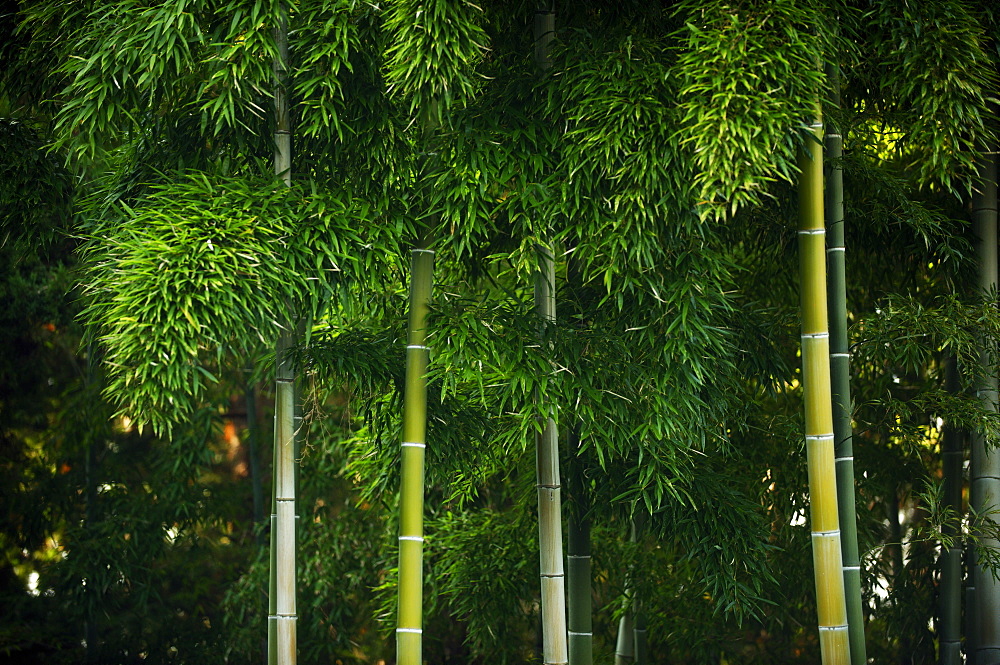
x=253 y=457
x=840 y=374
x=409 y=626
x=90 y=630
x=283 y=618
x=638 y=611
x=630 y=646
x=950 y=590
x=578 y=568
x=971 y=624
x=625 y=645
x=985 y=466
x=553 y=580
x=817 y=397
x=284 y=471
x=554 y=632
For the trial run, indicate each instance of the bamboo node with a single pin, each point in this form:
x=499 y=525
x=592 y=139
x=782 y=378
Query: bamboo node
x=816 y=335
x=418 y=539
x=413 y=444
x=418 y=346
x=409 y=630
x=812 y=232
x=428 y=251
x=827 y=534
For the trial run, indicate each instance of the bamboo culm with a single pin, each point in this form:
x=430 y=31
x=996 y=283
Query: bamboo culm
x=950 y=561
x=985 y=464
x=282 y=612
x=817 y=398
x=841 y=382
x=548 y=484
x=578 y=562
x=409 y=625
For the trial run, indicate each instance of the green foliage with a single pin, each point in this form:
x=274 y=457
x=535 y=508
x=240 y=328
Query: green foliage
x=434 y=48
x=204 y=267
x=936 y=77
x=749 y=75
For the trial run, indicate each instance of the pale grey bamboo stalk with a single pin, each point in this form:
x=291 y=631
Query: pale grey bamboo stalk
x=282 y=623
x=549 y=486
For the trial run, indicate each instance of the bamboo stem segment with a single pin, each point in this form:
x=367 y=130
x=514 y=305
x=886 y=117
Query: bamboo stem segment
x=841 y=382
x=409 y=625
x=549 y=488
x=985 y=464
x=950 y=594
x=282 y=617
x=824 y=519
x=284 y=471
x=548 y=484
x=578 y=564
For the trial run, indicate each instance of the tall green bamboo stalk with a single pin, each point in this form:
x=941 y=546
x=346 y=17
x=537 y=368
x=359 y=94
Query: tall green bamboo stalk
x=840 y=373
x=985 y=464
x=548 y=484
x=817 y=397
x=950 y=590
x=409 y=626
x=283 y=616
x=579 y=597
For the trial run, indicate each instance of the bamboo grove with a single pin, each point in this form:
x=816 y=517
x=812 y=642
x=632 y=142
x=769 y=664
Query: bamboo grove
x=705 y=290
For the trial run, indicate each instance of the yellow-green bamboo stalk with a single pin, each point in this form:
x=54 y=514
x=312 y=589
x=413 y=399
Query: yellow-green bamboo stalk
x=825 y=523
x=548 y=484
x=984 y=477
x=409 y=626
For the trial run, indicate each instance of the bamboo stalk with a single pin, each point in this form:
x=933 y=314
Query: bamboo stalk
x=985 y=465
x=409 y=626
x=638 y=613
x=548 y=484
x=841 y=383
x=578 y=563
x=284 y=469
x=827 y=560
x=283 y=618
x=549 y=488
x=950 y=561
x=631 y=645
